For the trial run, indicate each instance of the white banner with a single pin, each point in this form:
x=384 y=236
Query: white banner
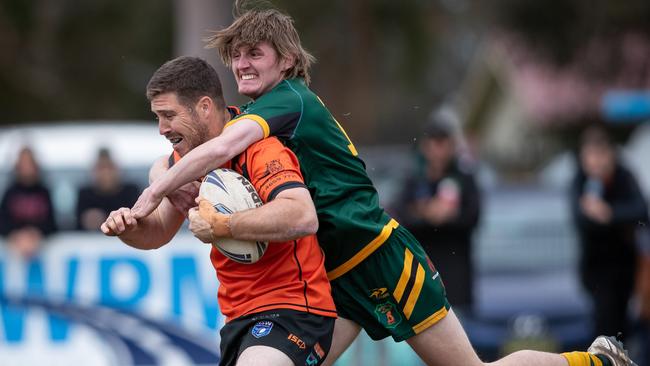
x=89 y=299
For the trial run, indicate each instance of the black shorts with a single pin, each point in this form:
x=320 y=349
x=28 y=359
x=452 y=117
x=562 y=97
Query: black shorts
x=306 y=338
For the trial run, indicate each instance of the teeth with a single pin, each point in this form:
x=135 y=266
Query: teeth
x=247 y=76
x=175 y=140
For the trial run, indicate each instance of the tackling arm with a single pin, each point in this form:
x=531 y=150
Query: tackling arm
x=202 y=159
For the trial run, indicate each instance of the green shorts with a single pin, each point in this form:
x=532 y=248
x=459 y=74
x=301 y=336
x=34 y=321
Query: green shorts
x=396 y=291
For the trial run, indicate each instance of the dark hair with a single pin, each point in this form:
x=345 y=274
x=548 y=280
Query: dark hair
x=190 y=78
x=596 y=136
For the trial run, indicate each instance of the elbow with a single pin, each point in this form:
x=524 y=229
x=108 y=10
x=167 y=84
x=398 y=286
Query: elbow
x=307 y=225
x=311 y=227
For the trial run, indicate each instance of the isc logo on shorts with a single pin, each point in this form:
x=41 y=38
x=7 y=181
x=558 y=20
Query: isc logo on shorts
x=262 y=329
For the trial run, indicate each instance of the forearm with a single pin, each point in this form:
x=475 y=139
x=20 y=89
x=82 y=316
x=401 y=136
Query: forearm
x=154 y=230
x=197 y=163
x=149 y=234
x=273 y=223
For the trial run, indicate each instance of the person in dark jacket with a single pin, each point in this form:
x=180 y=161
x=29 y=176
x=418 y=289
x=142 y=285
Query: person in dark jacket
x=441 y=206
x=26 y=211
x=607 y=207
x=106 y=193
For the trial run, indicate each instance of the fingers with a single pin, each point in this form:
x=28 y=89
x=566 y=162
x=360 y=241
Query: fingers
x=145 y=204
x=206 y=210
x=119 y=222
x=106 y=230
x=193 y=215
x=199 y=227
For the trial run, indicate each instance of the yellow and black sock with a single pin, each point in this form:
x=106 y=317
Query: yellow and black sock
x=586 y=359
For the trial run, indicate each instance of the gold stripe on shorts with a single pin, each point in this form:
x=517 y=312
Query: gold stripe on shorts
x=404 y=278
x=432 y=319
x=410 y=284
x=415 y=292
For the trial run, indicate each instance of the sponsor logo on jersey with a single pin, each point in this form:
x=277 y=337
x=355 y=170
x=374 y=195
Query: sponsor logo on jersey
x=262 y=329
x=379 y=293
x=273 y=167
x=299 y=342
x=388 y=315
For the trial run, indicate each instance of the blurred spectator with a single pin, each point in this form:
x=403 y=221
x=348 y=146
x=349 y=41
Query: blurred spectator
x=26 y=212
x=105 y=194
x=440 y=205
x=608 y=207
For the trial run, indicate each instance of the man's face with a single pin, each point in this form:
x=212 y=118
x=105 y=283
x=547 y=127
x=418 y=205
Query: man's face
x=26 y=168
x=598 y=161
x=107 y=176
x=179 y=124
x=257 y=69
x=438 y=151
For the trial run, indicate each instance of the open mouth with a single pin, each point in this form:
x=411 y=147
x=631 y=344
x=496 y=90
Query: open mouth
x=248 y=76
x=175 y=140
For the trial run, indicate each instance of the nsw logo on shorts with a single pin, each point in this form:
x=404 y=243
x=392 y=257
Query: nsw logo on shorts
x=262 y=329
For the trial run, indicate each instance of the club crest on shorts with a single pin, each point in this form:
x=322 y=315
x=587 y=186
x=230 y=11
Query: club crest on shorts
x=388 y=315
x=262 y=329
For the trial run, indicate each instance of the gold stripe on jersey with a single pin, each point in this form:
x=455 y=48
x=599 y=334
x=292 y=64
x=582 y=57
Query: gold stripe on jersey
x=404 y=277
x=415 y=292
x=260 y=121
x=365 y=252
x=432 y=319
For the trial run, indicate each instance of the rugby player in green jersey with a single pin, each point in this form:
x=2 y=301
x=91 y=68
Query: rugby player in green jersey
x=382 y=281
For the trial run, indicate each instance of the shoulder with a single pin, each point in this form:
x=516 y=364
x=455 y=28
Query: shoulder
x=269 y=145
x=288 y=93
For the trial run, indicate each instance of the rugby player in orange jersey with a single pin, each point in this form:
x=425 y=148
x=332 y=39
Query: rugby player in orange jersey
x=279 y=310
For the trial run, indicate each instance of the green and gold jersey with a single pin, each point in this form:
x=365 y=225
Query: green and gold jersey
x=352 y=225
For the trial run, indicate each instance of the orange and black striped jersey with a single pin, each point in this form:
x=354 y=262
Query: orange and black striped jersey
x=290 y=275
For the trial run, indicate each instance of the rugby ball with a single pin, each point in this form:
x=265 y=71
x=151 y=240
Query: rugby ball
x=229 y=192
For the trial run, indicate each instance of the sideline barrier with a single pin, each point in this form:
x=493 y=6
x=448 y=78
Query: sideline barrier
x=90 y=300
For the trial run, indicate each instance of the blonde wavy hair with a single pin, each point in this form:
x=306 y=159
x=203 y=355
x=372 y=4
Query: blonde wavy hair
x=252 y=26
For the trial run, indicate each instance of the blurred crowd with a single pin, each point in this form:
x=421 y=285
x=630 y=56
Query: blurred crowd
x=441 y=204
x=27 y=214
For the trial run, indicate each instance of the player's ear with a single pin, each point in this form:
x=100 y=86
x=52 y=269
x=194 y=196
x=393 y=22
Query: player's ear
x=203 y=106
x=288 y=62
